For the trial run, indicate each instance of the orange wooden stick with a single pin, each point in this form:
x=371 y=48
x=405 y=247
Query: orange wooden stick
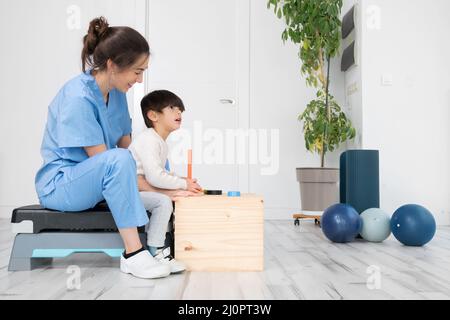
x=189 y=169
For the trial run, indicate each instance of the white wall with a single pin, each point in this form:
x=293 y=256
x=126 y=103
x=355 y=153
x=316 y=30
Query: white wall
x=353 y=76
x=39 y=54
x=409 y=120
x=278 y=94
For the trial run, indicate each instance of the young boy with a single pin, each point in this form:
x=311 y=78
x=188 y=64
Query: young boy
x=161 y=110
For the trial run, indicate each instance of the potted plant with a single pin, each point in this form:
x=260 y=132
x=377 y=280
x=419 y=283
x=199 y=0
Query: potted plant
x=315 y=26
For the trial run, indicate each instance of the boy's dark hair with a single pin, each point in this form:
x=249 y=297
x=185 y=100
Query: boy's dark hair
x=158 y=100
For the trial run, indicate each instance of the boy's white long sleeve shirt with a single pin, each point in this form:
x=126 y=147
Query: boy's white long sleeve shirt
x=150 y=152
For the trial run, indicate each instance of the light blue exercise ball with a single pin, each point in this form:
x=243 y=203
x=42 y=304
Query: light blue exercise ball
x=376 y=225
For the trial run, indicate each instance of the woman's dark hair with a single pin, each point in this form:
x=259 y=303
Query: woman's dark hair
x=158 y=100
x=123 y=45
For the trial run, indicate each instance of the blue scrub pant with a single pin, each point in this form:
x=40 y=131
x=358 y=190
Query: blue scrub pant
x=110 y=176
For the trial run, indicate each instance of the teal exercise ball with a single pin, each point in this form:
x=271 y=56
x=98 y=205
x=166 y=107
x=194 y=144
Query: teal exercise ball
x=376 y=225
x=413 y=225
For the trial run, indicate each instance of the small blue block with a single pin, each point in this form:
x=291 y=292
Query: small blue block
x=234 y=193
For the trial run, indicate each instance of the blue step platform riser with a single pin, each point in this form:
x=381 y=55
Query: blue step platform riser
x=62 y=253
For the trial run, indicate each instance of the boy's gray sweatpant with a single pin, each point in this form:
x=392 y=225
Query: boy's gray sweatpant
x=161 y=208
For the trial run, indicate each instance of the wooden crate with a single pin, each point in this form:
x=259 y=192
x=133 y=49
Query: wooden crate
x=220 y=233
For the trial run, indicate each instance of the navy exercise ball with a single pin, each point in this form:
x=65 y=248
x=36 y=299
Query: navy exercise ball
x=341 y=223
x=413 y=225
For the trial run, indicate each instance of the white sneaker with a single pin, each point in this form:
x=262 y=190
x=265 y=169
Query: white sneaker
x=143 y=265
x=163 y=255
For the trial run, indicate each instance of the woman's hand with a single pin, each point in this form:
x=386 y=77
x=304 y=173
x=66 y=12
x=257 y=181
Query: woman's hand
x=124 y=142
x=184 y=193
x=93 y=150
x=143 y=185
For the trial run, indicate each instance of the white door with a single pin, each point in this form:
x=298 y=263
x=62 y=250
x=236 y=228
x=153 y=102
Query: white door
x=196 y=52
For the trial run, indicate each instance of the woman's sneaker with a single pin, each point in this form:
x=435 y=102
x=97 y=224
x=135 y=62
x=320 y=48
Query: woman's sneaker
x=163 y=255
x=143 y=265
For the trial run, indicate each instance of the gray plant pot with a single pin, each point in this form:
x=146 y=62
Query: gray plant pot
x=319 y=188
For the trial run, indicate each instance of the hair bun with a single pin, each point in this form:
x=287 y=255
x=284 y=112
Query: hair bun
x=98 y=27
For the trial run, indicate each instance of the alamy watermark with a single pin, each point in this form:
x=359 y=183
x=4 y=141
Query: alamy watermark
x=73 y=282
x=73 y=21
x=374 y=280
x=373 y=16
x=229 y=146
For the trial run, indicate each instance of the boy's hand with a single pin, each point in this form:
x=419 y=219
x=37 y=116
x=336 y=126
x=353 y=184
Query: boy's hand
x=193 y=186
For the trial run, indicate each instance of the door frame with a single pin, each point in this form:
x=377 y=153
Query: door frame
x=242 y=30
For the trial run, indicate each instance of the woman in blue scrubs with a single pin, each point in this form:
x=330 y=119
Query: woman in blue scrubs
x=87 y=134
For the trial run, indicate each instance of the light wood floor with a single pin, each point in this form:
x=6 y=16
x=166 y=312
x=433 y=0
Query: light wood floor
x=299 y=264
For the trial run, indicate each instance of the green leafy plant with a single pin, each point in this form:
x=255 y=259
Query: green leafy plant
x=315 y=26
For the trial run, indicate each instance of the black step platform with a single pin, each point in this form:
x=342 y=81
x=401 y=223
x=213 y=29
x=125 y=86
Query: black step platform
x=43 y=234
x=98 y=218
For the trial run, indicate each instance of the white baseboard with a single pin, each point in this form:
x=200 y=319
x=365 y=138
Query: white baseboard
x=279 y=213
x=6 y=212
x=442 y=219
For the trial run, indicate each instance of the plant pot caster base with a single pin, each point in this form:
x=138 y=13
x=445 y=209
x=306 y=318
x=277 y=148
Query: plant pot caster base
x=299 y=216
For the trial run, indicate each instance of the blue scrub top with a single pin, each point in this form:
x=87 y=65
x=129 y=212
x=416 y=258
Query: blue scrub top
x=78 y=117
